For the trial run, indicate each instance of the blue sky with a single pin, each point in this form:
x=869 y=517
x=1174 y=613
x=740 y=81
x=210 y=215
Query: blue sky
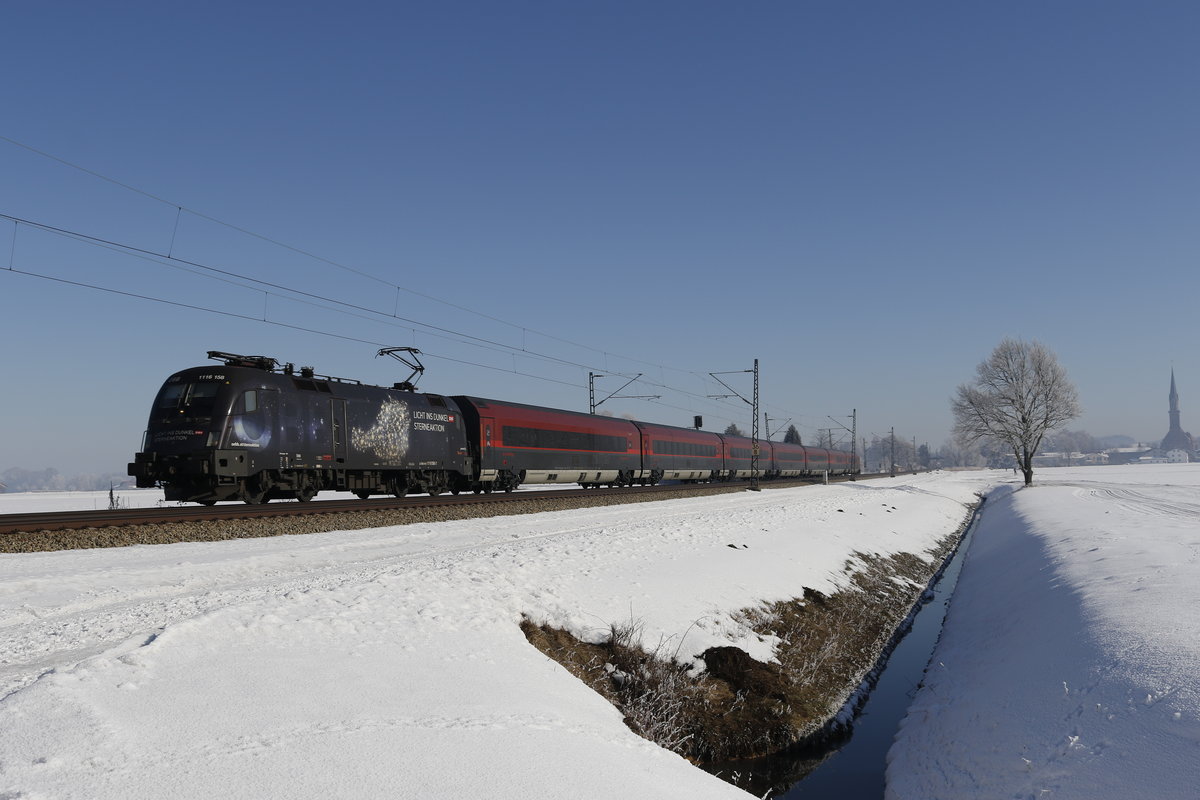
x=866 y=197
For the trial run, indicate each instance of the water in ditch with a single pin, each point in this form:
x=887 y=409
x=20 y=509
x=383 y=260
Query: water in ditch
x=853 y=764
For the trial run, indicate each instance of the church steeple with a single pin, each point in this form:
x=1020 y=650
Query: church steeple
x=1174 y=398
x=1176 y=438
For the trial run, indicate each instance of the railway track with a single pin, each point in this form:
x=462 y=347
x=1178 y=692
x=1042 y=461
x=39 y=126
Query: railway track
x=62 y=521
x=75 y=520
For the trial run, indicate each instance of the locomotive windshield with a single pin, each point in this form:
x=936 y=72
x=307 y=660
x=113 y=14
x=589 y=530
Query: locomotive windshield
x=190 y=399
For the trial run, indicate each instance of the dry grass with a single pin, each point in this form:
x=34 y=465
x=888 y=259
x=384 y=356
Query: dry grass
x=741 y=708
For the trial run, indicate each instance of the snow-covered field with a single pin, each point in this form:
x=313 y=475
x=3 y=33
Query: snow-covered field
x=388 y=662
x=1068 y=665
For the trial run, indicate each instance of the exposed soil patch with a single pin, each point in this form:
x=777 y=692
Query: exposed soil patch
x=742 y=708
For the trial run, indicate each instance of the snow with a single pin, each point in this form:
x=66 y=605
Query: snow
x=388 y=662
x=1067 y=666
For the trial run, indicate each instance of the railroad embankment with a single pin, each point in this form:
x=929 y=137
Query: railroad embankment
x=829 y=648
x=251 y=528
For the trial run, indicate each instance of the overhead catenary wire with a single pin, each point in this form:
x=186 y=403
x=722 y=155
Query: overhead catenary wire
x=299 y=251
x=276 y=323
x=343 y=337
x=723 y=411
x=428 y=328
x=300 y=328
x=167 y=260
x=351 y=309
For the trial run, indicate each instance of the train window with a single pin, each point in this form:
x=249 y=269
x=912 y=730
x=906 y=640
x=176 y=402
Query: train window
x=250 y=401
x=435 y=400
x=192 y=399
x=305 y=383
x=563 y=440
x=665 y=447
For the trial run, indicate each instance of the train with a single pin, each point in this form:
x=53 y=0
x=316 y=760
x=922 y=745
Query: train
x=252 y=429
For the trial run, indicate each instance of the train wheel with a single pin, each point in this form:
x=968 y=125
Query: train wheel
x=256 y=490
x=307 y=491
x=362 y=495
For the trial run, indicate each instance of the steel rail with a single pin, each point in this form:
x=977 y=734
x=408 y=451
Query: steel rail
x=75 y=520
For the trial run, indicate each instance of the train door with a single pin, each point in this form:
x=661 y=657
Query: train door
x=337 y=416
x=487 y=438
x=489 y=463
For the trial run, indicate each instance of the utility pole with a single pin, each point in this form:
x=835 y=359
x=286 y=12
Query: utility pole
x=892 y=468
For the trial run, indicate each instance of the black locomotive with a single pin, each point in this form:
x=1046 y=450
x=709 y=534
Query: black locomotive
x=253 y=430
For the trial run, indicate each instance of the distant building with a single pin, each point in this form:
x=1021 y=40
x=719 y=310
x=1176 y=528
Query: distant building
x=1126 y=455
x=1071 y=459
x=1177 y=438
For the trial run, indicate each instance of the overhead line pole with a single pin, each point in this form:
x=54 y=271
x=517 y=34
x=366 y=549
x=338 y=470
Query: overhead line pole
x=853 y=431
x=592 y=404
x=754 y=487
x=754 y=436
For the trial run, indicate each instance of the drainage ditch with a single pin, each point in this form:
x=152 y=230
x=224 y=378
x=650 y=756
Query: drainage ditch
x=852 y=763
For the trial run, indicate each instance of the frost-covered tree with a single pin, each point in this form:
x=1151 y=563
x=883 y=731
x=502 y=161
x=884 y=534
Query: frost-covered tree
x=1073 y=441
x=924 y=457
x=733 y=430
x=955 y=454
x=1019 y=394
x=792 y=436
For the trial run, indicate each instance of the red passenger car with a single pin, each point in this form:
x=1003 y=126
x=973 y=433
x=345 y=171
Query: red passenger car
x=739 y=454
x=528 y=444
x=839 y=462
x=788 y=460
x=683 y=454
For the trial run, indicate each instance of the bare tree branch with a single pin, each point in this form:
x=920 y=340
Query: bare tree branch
x=1019 y=394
